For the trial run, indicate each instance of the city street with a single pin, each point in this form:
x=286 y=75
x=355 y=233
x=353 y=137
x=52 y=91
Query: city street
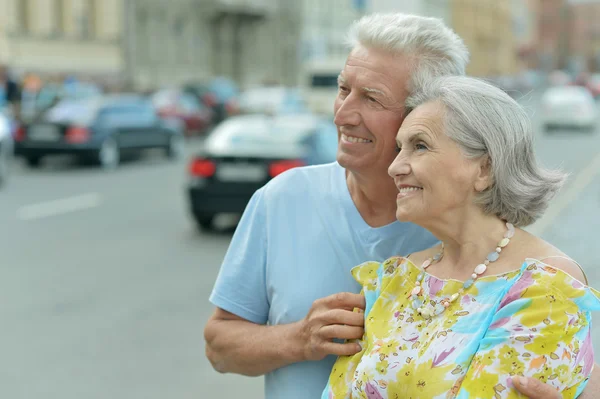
x=105 y=279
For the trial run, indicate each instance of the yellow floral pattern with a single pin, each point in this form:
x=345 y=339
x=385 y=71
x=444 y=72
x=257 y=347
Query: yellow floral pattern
x=532 y=322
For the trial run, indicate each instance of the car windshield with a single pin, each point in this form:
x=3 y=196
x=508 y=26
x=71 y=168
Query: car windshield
x=256 y=132
x=164 y=99
x=72 y=111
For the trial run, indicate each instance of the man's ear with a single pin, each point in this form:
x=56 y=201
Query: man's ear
x=485 y=178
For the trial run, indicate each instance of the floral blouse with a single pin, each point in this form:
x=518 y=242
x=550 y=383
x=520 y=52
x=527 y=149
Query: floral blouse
x=532 y=322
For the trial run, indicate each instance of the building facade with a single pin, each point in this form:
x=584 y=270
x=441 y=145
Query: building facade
x=48 y=37
x=583 y=36
x=192 y=40
x=486 y=26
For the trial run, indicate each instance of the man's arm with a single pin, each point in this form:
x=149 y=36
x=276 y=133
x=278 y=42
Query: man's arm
x=592 y=390
x=236 y=345
x=535 y=389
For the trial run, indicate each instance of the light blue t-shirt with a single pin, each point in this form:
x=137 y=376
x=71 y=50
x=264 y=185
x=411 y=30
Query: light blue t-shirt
x=297 y=241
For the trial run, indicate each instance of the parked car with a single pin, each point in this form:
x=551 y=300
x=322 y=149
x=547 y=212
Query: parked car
x=568 y=106
x=245 y=152
x=272 y=100
x=6 y=148
x=98 y=130
x=219 y=94
x=593 y=85
x=50 y=94
x=195 y=117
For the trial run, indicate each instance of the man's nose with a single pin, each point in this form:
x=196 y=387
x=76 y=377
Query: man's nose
x=346 y=113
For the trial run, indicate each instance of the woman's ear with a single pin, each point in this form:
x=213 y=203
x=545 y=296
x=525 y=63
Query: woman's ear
x=484 y=179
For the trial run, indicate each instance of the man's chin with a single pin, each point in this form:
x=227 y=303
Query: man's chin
x=352 y=162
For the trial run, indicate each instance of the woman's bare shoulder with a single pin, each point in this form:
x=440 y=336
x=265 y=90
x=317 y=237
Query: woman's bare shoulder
x=547 y=253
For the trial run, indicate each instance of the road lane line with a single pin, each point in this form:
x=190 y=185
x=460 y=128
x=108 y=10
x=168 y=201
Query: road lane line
x=581 y=182
x=59 y=207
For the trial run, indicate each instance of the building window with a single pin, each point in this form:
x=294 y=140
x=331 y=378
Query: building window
x=86 y=18
x=23 y=16
x=59 y=17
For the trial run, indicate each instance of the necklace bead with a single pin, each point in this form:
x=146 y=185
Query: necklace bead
x=428 y=307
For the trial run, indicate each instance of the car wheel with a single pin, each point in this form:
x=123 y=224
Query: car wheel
x=176 y=146
x=204 y=221
x=109 y=154
x=33 y=162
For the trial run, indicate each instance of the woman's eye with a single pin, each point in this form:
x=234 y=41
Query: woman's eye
x=420 y=146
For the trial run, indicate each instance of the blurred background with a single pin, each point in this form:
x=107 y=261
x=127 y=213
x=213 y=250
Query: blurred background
x=133 y=133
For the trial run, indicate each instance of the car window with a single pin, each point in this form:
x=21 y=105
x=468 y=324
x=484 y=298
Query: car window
x=72 y=112
x=123 y=116
x=189 y=103
x=223 y=89
x=163 y=99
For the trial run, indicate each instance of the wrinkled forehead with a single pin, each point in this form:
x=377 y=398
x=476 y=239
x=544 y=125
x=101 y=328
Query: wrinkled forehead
x=426 y=118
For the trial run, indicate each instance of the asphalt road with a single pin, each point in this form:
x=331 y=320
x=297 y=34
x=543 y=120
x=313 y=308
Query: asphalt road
x=105 y=279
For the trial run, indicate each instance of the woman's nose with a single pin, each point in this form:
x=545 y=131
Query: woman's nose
x=399 y=167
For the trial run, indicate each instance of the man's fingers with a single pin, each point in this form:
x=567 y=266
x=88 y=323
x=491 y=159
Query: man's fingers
x=341 y=332
x=346 y=300
x=347 y=349
x=534 y=388
x=339 y=316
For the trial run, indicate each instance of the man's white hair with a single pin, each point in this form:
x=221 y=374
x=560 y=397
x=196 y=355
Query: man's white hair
x=431 y=47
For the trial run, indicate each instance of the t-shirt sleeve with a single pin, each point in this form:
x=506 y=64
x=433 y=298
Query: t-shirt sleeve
x=541 y=330
x=240 y=287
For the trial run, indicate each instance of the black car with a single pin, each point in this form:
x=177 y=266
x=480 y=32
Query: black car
x=98 y=130
x=245 y=152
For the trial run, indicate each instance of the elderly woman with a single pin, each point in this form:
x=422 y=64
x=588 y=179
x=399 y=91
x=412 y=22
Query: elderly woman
x=491 y=300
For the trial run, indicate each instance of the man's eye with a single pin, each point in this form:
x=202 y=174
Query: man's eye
x=398 y=148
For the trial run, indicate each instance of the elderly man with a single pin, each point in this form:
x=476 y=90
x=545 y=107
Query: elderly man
x=285 y=295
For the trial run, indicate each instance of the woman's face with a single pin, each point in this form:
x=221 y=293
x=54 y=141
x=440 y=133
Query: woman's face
x=434 y=179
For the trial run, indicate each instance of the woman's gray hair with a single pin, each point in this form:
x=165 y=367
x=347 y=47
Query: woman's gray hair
x=484 y=120
x=432 y=48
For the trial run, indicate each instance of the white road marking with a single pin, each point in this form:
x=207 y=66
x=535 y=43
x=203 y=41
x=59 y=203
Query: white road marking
x=59 y=207
x=582 y=180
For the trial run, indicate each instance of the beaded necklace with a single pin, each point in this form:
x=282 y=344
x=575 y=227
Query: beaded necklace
x=428 y=307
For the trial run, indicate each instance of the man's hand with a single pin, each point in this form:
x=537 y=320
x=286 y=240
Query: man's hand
x=329 y=318
x=535 y=389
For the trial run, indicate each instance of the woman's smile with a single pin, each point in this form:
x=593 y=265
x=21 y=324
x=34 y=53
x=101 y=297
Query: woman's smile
x=408 y=191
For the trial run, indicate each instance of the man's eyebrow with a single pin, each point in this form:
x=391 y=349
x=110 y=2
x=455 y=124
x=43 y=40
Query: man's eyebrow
x=341 y=79
x=375 y=91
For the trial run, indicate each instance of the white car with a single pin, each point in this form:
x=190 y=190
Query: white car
x=6 y=147
x=569 y=106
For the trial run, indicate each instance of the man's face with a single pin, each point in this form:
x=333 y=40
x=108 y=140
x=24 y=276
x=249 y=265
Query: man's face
x=368 y=109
